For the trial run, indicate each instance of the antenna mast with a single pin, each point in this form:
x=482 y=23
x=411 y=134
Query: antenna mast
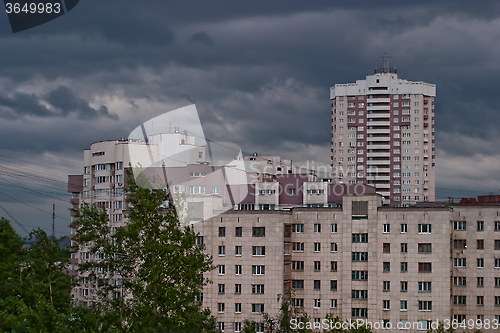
x=53 y=220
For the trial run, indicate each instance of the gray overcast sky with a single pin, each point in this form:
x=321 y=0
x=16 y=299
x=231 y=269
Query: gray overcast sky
x=258 y=71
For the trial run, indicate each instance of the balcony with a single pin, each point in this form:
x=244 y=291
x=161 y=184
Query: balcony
x=378 y=170
x=378 y=115
x=426 y=139
x=378 y=178
x=426 y=187
x=378 y=162
x=378 y=154
x=378 y=123
x=378 y=138
x=378 y=107
x=378 y=100
x=382 y=185
x=426 y=155
x=385 y=194
x=377 y=131
x=378 y=147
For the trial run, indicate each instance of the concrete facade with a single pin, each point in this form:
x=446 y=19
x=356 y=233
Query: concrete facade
x=383 y=135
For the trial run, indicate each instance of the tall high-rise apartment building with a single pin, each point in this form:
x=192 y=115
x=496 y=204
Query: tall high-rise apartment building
x=383 y=135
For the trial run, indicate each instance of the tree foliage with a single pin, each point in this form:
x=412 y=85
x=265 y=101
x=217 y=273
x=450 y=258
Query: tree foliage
x=149 y=271
x=34 y=289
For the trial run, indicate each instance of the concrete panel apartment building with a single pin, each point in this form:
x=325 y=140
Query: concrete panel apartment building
x=368 y=244
x=336 y=246
x=383 y=135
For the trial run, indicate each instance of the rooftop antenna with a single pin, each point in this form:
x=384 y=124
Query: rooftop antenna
x=385 y=63
x=170 y=126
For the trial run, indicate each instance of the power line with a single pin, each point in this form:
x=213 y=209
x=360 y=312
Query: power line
x=27 y=204
x=13 y=218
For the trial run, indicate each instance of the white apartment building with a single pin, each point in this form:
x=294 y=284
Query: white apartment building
x=383 y=135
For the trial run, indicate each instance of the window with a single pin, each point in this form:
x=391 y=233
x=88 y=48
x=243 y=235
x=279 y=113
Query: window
x=497 y=282
x=220 y=324
x=459 y=262
x=459 y=225
x=334 y=247
x=221 y=307
x=425 y=267
x=359 y=312
x=424 y=228
x=222 y=288
x=297 y=284
x=317 y=247
x=459 y=281
x=480 y=225
x=497 y=263
x=404 y=228
x=386 y=285
x=387 y=266
x=480 y=244
x=360 y=238
x=257 y=308
x=460 y=300
x=333 y=285
x=425 y=305
x=257 y=288
x=237 y=325
x=237 y=269
x=222 y=269
x=258 y=269
x=333 y=303
x=317 y=266
x=317 y=303
x=497 y=244
x=360 y=256
x=424 y=248
x=222 y=250
x=359 y=294
x=404 y=286
x=258 y=231
x=317 y=228
x=497 y=300
x=424 y=287
x=222 y=231
x=480 y=281
x=387 y=228
x=459 y=244
x=238 y=250
x=298 y=228
x=215 y=190
x=297 y=265
x=386 y=248
x=298 y=247
x=317 y=284
x=497 y=225
x=459 y=318
x=404 y=247
x=297 y=302
x=386 y=304
x=258 y=250
x=480 y=263
x=197 y=189
x=237 y=289
x=333 y=266
x=359 y=275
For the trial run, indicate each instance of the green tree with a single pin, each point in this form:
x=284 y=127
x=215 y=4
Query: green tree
x=149 y=272
x=34 y=289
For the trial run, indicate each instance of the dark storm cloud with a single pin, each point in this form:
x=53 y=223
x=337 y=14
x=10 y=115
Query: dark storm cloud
x=62 y=100
x=66 y=102
x=201 y=37
x=258 y=71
